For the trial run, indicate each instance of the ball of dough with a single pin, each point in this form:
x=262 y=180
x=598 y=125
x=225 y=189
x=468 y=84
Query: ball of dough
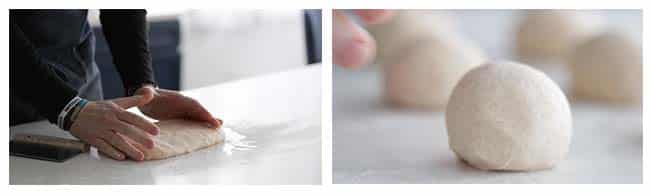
x=549 y=36
x=608 y=68
x=424 y=75
x=508 y=116
x=405 y=28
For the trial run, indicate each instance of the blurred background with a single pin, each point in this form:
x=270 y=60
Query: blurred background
x=494 y=30
x=196 y=48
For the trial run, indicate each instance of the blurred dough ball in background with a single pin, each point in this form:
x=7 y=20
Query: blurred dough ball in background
x=422 y=76
x=549 y=36
x=405 y=28
x=546 y=38
x=422 y=56
x=608 y=68
x=508 y=116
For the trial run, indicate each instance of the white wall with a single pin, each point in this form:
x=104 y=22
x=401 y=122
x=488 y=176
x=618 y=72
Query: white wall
x=224 y=45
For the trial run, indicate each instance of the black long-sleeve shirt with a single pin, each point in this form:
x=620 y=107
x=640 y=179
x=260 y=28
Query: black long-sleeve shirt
x=33 y=81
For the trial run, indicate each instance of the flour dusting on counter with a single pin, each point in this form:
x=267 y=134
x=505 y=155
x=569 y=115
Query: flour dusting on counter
x=235 y=141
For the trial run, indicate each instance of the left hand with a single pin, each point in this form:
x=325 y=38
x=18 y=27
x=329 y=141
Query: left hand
x=168 y=104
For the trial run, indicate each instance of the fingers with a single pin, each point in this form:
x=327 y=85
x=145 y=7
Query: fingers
x=219 y=121
x=352 y=45
x=139 y=122
x=134 y=133
x=197 y=112
x=132 y=101
x=147 y=91
x=374 y=16
x=120 y=142
x=107 y=149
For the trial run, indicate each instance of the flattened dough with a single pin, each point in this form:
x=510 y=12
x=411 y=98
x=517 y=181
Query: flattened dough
x=179 y=137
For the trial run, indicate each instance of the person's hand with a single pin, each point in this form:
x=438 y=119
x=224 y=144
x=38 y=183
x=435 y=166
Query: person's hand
x=107 y=126
x=352 y=45
x=167 y=104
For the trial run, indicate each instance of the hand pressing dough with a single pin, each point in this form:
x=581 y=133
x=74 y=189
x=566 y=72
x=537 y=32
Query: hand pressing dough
x=608 y=68
x=179 y=137
x=508 y=116
x=424 y=75
x=405 y=29
x=549 y=36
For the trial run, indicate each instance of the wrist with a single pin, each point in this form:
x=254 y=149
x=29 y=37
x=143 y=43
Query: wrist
x=69 y=114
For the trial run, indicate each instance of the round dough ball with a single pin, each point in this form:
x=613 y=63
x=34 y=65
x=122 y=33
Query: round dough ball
x=405 y=28
x=508 y=116
x=424 y=75
x=549 y=36
x=608 y=68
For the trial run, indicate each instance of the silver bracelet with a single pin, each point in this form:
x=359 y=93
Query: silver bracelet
x=64 y=112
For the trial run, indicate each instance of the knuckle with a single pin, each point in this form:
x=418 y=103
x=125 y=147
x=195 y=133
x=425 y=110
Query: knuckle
x=114 y=139
x=112 y=106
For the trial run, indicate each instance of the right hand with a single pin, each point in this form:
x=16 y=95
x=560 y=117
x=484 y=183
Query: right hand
x=352 y=45
x=107 y=126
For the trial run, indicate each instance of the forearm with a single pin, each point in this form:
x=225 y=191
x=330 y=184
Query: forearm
x=127 y=35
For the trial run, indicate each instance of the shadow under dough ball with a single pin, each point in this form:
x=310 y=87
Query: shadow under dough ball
x=508 y=116
x=608 y=68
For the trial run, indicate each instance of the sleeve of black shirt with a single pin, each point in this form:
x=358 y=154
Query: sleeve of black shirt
x=127 y=35
x=32 y=79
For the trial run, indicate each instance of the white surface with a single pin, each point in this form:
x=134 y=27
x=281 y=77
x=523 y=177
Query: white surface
x=377 y=144
x=374 y=143
x=279 y=114
x=220 y=45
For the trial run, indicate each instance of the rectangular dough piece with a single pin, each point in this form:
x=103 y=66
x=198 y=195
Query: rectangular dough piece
x=179 y=136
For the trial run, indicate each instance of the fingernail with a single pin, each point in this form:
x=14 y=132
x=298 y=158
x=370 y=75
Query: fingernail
x=155 y=131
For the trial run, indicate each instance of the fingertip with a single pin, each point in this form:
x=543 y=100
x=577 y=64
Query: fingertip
x=119 y=156
x=352 y=45
x=139 y=157
x=375 y=16
x=149 y=94
x=220 y=122
x=355 y=52
x=154 y=131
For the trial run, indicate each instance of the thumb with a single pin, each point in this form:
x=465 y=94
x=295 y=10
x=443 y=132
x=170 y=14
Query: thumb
x=132 y=101
x=147 y=91
x=375 y=16
x=352 y=45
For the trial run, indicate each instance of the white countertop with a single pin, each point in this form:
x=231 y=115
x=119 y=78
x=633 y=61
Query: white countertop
x=374 y=143
x=278 y=113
